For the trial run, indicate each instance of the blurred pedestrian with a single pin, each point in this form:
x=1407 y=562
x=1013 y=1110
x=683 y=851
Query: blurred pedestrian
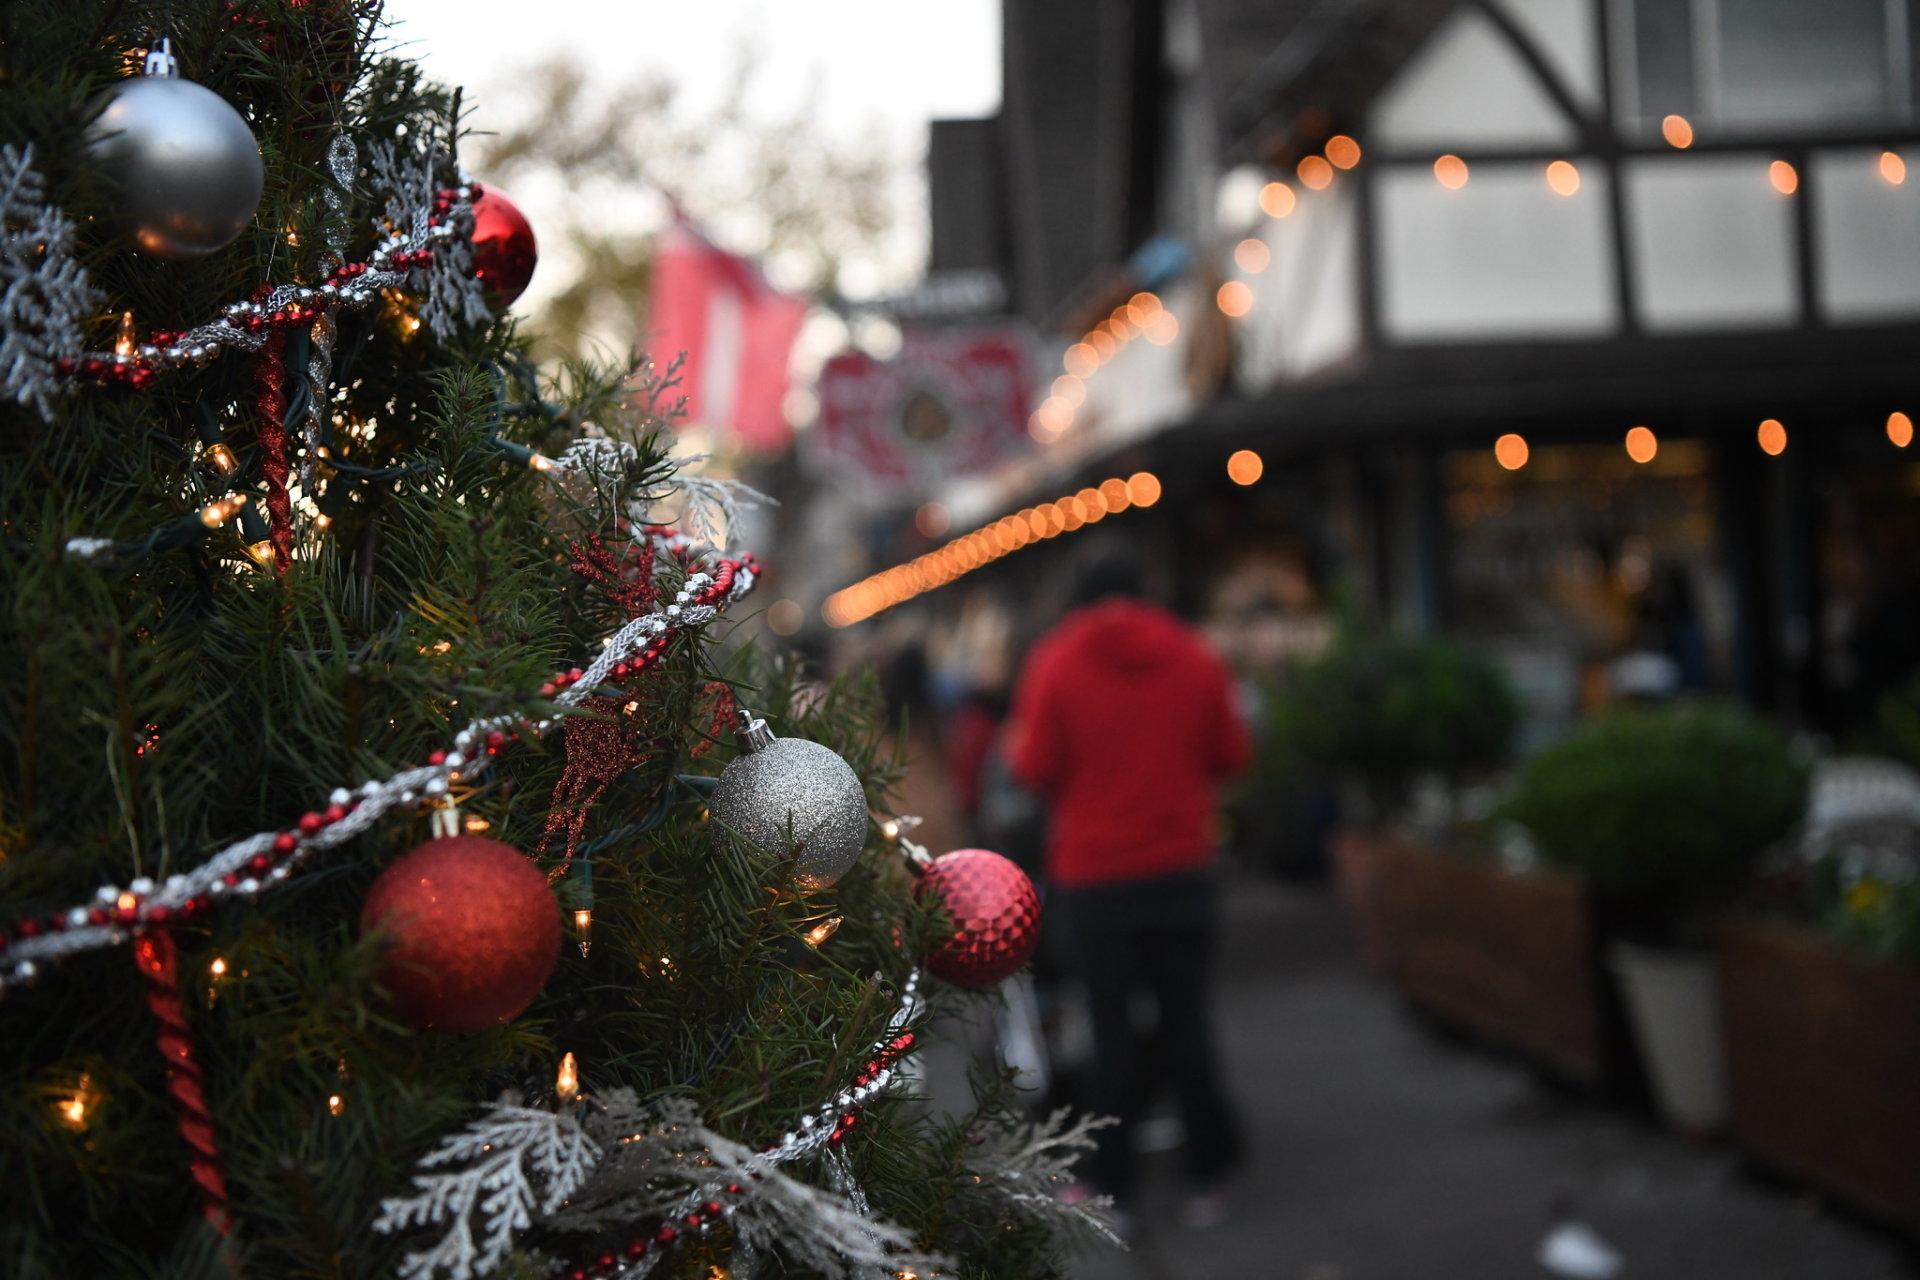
x=1126 y=722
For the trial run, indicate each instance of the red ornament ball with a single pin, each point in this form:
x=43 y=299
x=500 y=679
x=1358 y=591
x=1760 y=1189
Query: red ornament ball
x=996 y=917
x=471 y=932
x=504 y=252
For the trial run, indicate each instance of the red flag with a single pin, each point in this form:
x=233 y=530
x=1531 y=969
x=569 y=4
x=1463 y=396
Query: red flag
x=737 y=332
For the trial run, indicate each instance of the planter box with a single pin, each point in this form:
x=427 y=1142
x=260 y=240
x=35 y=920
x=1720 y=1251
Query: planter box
x=1510 y=957
x=1823 y=1063
x=1358 y=858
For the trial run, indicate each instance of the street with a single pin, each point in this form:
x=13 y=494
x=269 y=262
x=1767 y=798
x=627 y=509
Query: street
x=1382 y=1151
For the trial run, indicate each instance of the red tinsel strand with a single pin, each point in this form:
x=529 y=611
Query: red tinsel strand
x=153 y=952
x=599 y=749
x=271 y=405
x=720 y=693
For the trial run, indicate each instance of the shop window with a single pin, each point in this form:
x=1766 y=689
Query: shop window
x=1594 y=577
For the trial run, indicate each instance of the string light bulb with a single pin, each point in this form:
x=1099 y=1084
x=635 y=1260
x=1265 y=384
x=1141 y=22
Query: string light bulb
x=821 y=932
x=566 y=1085
x=263 y=553
x=72 y=1111
x=123 y=343
x=222 y=460
x=583 y=925
x=221 y=510
x=335 y=1104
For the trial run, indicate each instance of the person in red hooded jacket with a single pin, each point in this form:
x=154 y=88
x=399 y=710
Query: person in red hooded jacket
x=1126 y=722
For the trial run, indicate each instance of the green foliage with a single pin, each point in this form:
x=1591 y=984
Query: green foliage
x=155 y=710
x=1381 y=709
x=1658 y=807
x=1896 y=722
x=1868 y=901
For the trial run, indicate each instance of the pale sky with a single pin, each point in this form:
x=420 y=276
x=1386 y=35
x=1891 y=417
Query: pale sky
x=885 y=65
x=899 y=63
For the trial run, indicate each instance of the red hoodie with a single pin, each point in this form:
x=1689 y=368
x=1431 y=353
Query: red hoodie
x=1125 y=721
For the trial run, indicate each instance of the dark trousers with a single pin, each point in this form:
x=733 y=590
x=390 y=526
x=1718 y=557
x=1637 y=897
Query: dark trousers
x=1157 y=937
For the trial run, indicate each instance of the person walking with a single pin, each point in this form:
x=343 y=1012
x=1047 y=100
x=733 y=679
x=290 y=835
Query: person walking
x=1126 y=722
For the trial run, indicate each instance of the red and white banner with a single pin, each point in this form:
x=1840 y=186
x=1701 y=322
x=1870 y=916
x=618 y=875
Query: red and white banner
x=949 y=404
x=736 y=332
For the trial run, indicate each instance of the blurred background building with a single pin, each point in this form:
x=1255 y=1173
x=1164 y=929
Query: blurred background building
x=1581 y=328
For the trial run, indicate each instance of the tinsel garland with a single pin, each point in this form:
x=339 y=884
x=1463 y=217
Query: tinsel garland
x=265 y=860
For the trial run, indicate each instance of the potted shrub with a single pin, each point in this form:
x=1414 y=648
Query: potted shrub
x=1663 y=811
x=1376 y=713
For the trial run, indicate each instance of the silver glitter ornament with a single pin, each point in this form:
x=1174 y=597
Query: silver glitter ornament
x=186 y=163
x=781 y=787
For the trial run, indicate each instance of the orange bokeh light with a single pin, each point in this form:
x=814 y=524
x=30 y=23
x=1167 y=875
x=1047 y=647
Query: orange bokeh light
x=1343 y=151
x=1234 y=298
x=1093 y=506
x=1164 y=328
x=1245 y=467
x=1103 y=344
x=1677 y=131
x=1144 y=488
x=1252 y=256
x=1142 y=308
x=1892 y=167
x=1114 y=494
x=1642 y=444
x=1451 y=171
x=1511 y=451
x=1773 y=437
x=1315 y=172
x=1277 y=200
x=1563 y=177
x=1070 y=389
x=1080 y=360
x=1899 y=429
x=1784 y=177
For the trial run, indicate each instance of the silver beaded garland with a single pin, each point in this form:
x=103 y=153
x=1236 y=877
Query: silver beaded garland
x=791 y=798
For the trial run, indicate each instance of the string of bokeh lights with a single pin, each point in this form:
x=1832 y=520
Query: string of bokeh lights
x=1144 y=315
x=1512 y=451
x=986 y=544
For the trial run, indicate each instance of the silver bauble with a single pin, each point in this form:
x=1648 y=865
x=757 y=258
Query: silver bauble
x=791 y=785
x=186 y=164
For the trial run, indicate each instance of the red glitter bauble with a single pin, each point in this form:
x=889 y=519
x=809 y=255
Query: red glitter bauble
x=471 y=932
x=996 y=917
x=504 y=252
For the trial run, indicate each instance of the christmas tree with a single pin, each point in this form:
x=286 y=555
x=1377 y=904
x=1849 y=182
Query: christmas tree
x=401 y=873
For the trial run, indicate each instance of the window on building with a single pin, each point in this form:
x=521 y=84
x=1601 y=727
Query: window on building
x=1769 y=63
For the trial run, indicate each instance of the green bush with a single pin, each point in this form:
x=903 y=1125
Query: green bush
x=1658 y=808
x=1380 y=710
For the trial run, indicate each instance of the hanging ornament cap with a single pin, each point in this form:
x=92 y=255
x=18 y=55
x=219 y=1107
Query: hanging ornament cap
x=753 y=732
x=160 y=59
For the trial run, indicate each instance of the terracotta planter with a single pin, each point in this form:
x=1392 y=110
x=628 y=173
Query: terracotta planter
x=1823 y=1065
x=1510 y=957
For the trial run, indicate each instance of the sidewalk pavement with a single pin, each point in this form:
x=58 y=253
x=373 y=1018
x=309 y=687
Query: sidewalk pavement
x=1378 y=1151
